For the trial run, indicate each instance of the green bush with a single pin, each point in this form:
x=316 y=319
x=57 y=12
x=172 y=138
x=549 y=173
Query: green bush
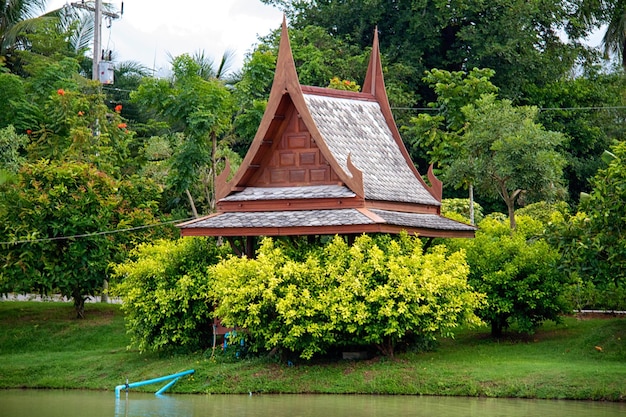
x=459 y=209
x=165 y=290
x=517 y=270
x=380 y=291
x=593 y=241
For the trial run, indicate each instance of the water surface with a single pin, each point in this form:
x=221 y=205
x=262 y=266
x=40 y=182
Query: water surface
x=53 y=403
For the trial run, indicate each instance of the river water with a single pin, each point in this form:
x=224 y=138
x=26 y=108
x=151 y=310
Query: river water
x=53 y=403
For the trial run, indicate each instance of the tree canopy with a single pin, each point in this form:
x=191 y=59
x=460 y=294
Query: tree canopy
x=506 y=153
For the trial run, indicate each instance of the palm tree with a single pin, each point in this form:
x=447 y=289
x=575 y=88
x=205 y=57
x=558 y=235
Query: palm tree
x=614 y=39
x=612 y=13
x=17 y=17
x=208 y=69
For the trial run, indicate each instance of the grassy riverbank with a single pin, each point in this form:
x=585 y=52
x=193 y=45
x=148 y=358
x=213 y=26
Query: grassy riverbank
x=43 y=346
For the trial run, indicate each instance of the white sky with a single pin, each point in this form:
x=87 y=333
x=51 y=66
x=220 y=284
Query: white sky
x=150 y=29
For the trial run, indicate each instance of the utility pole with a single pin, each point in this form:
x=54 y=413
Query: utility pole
x=97 y=31
x=97 y=40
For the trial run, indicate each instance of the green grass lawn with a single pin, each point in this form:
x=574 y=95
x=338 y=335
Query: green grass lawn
x=42 y=345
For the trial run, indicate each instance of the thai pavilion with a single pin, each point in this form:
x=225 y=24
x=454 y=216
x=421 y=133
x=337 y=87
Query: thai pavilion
x=325 y=162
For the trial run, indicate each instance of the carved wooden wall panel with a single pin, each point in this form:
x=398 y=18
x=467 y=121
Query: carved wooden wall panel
x=295 y=160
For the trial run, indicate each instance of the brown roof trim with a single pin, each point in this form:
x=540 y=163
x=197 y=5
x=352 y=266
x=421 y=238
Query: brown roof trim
x=290 y=204
x=322 y=230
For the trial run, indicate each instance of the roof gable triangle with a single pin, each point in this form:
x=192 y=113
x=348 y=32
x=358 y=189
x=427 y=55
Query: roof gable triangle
x=286 y=83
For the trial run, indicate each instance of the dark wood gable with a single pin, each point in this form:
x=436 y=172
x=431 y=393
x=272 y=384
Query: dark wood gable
x=325 y=162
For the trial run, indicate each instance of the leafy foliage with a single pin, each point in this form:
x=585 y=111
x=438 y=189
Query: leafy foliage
x=380 y=291
x=49 y=210
x=439 y=137
x=520 y=39
x=589 y=111
x=507 y=154
x=460 y=208
x=165 y=288
x=518 y=272
x=593 y=241
x=200 y=109
x=11 y=149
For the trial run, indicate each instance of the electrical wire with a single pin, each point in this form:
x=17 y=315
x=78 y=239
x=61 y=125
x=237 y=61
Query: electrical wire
x=540 y=108
x=86 y=235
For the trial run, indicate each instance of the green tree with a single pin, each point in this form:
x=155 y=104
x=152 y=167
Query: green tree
x=507 y=154
x=518 y=271
x=593 y=242
x=27 y=34
x=202 y=110
x=207 y=67
x=68 y=120
x=16 y=17
x=54 y=220
x=438 y=137
x=519 y=38
x=12 y=147
x=379 y=292
x=588 y=109
x=592 y=14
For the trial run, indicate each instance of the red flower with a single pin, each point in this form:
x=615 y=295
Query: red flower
x=28 y=131
x=61 y=92
x=118 y=108
x=122 y=125
x=81 y=113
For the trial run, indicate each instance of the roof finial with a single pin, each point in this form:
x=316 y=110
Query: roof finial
x=374 y=77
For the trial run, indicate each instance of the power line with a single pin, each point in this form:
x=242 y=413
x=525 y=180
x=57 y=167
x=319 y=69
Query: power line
x=584 y=108
x=540 y=108
x=106 y=232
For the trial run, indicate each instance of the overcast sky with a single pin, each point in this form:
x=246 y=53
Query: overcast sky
x=150 y=29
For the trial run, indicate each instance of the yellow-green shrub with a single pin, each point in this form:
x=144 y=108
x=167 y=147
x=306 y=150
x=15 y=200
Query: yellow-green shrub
x=377 y=292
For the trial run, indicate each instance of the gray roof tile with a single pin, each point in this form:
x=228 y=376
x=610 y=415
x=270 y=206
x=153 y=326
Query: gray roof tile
x=359 y=128
x=286 y=193
x=426 y=221
x=284 y=219
x=342 y=217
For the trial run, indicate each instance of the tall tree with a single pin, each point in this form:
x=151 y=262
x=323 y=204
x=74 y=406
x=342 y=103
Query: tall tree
x=589 y=110
x=507 y=154
x=201 y=110
x=440 y=136
x=17 y=17
x=593 y=242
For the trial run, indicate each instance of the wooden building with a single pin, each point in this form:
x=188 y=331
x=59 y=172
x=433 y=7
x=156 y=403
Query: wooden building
x=325 y=162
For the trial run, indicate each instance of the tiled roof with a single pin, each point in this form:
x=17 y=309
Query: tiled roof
x=286 y=193
x=312 y=218
x=359 y=128
x=424 y=221
x=296 y=218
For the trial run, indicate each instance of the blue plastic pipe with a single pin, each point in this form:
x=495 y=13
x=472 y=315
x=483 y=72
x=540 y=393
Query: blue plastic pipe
x=166 y=386
x=153 y=381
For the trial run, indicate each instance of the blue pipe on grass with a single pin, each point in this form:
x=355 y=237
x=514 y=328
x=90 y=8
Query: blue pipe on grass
x=166 y=387
x=152 y=381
